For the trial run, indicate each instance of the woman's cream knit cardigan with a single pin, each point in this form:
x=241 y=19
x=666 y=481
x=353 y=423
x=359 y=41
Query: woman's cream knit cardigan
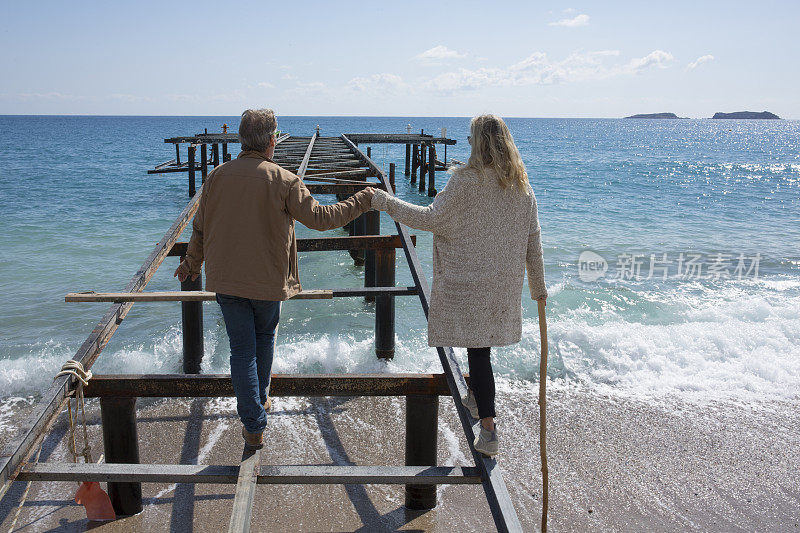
x=484 y=237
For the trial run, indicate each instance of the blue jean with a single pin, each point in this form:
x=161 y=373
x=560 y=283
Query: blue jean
x=251 y=326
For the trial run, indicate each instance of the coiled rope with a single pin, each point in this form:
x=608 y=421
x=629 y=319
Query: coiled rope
x=542 y=409
x=75 y=369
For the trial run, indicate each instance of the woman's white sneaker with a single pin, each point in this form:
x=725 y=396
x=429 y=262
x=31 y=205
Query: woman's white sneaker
x=470 y=403
x=486 y=442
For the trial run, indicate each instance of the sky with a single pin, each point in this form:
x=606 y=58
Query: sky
x=517 y=59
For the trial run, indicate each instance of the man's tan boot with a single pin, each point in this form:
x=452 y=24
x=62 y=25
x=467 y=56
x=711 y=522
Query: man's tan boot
x=253 y=440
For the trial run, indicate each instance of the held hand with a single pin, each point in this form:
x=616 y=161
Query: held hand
x=369 y=192
x=180 y=274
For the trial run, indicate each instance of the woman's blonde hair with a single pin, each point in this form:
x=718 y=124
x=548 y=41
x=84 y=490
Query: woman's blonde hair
x=493 y=147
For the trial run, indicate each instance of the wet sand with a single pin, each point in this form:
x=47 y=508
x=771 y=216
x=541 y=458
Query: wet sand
x=616 y=464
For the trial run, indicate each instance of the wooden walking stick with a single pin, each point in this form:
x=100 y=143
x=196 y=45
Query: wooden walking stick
x=542 y=408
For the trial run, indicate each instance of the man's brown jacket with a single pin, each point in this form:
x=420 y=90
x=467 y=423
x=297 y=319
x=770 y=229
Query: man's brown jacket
x=244 y=227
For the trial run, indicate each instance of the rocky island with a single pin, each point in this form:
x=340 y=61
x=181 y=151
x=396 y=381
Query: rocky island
x=748 y=115
x=655 y=115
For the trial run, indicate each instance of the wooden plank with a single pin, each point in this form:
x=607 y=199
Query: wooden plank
x=245 y=492
x=130 y=473
x=306 y=385
x=175 y=296
x=325 y=159
x=304 y=164
x=206 y=296
x=502 y=509
x=166 y=164
x=344 y=174
x=318 y=177
x=169 y=170
x=343 y=163
x=265 y=475
x=32 y=430
x=366 y=475
x=360 y=242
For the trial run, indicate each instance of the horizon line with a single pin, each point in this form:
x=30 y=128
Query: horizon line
x=356 y=116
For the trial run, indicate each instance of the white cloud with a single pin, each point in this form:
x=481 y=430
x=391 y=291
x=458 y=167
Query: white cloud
x=438 y=53
x=539 y=69
x=311 y=88
x=48 y=96
x=465 y=79
x=699 y=61
x=265 y=85
x=656 y=58
x=574 y=22
x=131 y=97
x=383 y=83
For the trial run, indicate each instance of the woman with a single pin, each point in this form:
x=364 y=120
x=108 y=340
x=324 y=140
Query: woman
x=485 y=229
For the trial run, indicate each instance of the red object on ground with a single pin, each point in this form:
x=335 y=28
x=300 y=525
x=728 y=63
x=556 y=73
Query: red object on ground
x=96 y=501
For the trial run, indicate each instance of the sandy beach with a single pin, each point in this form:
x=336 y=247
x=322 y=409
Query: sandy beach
x=616 y=464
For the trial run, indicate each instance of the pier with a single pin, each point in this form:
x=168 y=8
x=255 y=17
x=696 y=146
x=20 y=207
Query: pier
x=334 y=165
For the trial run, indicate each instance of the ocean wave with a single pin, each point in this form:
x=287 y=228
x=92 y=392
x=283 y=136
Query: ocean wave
x=714 y=348
x=733 y=340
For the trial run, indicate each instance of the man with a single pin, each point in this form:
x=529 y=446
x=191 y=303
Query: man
x=244 y=230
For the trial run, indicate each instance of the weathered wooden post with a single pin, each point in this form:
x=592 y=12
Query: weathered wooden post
x=422 y=421
x=422 y=167
x=192 y=190
x=432 y=171
x=225 y=155
x=414 y=163
x=391 y=176
x=121 y=445
x=203 y=162
x=384 y=303
x=177 y=154
x=369 y=151
x=407 y=170
x=373 y=227
x=192 y=326
x=215 y=154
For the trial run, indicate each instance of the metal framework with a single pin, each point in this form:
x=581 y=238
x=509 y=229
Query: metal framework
x=328 y=165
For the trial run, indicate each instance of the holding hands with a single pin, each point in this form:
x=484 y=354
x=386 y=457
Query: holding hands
x=182 y=273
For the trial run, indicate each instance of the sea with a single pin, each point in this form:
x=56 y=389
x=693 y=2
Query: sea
x=671 y=250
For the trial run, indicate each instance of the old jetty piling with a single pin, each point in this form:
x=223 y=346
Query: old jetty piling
x=328 y=165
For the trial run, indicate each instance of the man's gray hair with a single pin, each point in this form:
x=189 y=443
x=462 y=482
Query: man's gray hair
x=255 y=129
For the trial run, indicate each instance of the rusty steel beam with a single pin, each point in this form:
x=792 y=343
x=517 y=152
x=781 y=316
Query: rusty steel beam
x=324 y=244
x=266 y=475
x=397 y=138
x=219 y=385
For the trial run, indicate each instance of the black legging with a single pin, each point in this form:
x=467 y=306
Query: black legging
x=482 y=380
